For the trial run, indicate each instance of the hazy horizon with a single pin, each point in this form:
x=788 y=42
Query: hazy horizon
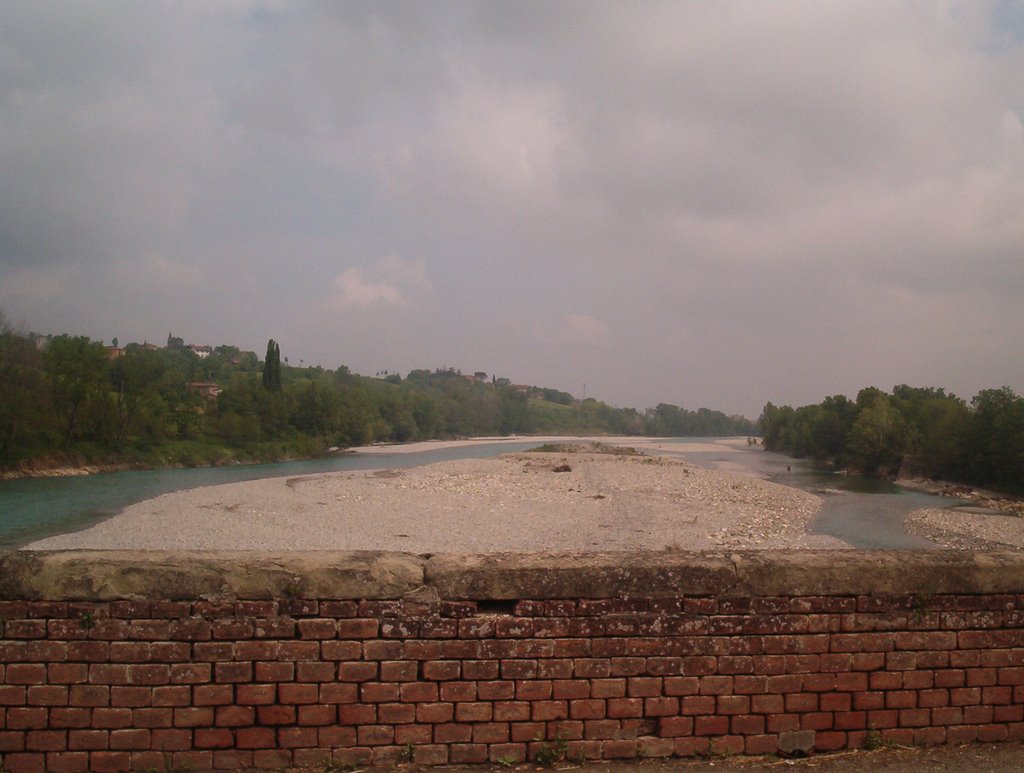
x=709 y=204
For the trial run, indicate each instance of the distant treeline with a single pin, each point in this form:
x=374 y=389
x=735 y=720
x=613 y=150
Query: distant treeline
x=913 y=431
x=70 y=401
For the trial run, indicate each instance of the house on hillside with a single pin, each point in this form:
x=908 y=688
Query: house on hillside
x=113 y=352
x=202 y=352
x=206 y=389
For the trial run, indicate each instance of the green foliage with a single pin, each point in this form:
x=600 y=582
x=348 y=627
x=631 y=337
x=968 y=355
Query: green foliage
x=69 y=401
x=548 y=754
x=917 y=431
x=673 y=421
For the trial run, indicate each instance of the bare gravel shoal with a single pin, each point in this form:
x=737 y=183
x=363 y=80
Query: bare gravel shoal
x=517 y=502
x=964 y=529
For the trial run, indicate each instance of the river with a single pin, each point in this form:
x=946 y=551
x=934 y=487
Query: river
x=866 y=514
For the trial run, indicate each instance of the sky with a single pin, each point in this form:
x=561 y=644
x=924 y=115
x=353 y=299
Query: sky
x=705 y=203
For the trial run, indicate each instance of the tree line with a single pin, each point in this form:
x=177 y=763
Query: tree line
x=913 y=431
x=69 y=400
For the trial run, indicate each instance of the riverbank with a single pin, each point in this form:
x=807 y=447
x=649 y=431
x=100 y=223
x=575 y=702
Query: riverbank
x=516 y=502
x=69 y=467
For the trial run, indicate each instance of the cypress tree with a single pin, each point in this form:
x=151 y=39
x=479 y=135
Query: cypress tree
x=272 y=367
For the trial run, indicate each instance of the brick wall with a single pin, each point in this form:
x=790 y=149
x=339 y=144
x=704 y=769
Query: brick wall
x=926 y=649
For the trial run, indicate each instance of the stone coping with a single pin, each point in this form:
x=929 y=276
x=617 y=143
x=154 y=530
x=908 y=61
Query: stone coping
x=85 y=575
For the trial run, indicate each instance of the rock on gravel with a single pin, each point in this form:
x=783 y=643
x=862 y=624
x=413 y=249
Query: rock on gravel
x=513 y=503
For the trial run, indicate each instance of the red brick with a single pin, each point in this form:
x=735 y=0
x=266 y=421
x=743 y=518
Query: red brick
x=612 y=688
x=255 y=738
x=767 y=704
x=375 y=735
x=396 y=713
x=66 y=718
x=356 y=714
x=150 y=717
x=318 y=629
x=816 y=720
x=212 y=695
x=67 y=762
x=46 y=740
x=534 y=689
x=193 y=717
x=711 y=725
x=88 y=739
x=274 y=672
x=634 y=666
x=274 y=715
x=473 y=712
x=506 y=690
x=171 y=696
x=455 y=733
x=84 y=695
x=625 y=707
x=644 y=687
x=690 y=747
x=398 y=671
x=190 y=673
x=236 y=716
x=110 y=719
x=802 y=701
x=836 y=701
x=344 y=692
x=661 y=707
x=136 y=739
x=518 y=669
x=214 y=738
x=458 y=691
x=233 y=672
x=297 y=737
x=696 y=704
x=317 y=715
x=391 y=650
x=299 y=650
x=378 y=692
x=716 y=685
x=255 y=694
x=511 y=711
x=747 y=724
x=341 y=650
x=624 y=749
x=491 y=732
x=109 y=762
x=357 y=628
x=36 y=718
x=66 y=673
x=357 y=671
x=298 y=693
x=26 y=673
x=467 y=754
x=435 y=712
x=783 y=723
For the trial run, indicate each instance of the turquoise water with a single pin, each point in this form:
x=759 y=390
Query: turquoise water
x=33 y=508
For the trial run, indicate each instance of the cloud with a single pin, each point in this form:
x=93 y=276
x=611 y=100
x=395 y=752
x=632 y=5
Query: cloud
x=816 y=194
x=391 y=281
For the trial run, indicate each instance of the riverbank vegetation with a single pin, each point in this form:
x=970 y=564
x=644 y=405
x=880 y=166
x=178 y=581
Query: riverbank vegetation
x=72 y=402
x=922 y=432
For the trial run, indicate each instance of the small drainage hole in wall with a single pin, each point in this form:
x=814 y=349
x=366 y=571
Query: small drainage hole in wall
x=497 y=607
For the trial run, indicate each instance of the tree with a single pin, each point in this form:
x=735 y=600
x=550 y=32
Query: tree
x=77 y=370
x=272 y=367
x=996 y=438
x=23 y=405
x=877 y=437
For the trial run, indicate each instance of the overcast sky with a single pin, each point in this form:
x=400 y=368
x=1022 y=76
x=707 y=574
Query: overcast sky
x=703 y=203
